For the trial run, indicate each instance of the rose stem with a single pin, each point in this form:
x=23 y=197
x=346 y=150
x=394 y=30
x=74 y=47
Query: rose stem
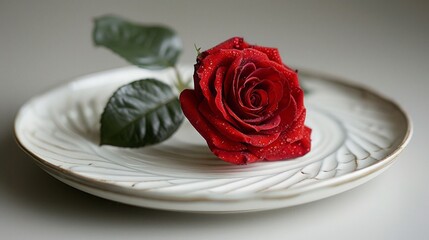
x=180 y=84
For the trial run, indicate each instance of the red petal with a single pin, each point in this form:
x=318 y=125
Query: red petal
x=238 y=158
x=232 y=43
x=261 y=60
x=272 y=53
x=295 y=149
x=207 y=71
x=288 y=115
x=262 y=126
x=189 y=105
x=294 y=142
x=229 y=132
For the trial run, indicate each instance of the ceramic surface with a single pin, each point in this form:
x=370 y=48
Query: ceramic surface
x=356 y=135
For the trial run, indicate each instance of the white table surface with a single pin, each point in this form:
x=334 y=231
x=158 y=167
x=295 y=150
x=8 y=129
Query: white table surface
x=381 y=44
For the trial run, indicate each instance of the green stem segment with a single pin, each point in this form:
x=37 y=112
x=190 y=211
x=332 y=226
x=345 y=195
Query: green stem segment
x=180 y=83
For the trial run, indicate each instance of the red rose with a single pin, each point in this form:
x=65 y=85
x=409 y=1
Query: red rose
x=247 y=104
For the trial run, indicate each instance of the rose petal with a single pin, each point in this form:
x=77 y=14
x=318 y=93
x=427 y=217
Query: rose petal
x=231 y=133
x=219 y=105
x=207 y=71
x=288 y=115
x=207 y=131
x=276 y=84
x=265 y=122
x=232 y=43
x=238 y=158
x=261 y=60
x=243 y=105
x=272 y=53
x=291 y=112
x=255 y=100
x=295 y=149
x=291 y=143
x=257 y=119
x=236 y=71
x=298 y=96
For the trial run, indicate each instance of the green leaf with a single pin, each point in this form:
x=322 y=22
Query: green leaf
x=140 y=113
x=147 y=46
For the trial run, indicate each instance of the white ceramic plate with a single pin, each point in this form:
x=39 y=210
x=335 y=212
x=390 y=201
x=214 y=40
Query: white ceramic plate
x=356 y=135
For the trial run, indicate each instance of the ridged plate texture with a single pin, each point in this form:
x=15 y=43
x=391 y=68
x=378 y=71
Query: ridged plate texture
x=356 y=134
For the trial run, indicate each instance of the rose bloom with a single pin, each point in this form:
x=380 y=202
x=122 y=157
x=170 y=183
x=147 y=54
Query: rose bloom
x=247 y=104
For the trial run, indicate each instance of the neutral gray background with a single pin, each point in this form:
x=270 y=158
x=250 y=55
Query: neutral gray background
x=380 y=44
